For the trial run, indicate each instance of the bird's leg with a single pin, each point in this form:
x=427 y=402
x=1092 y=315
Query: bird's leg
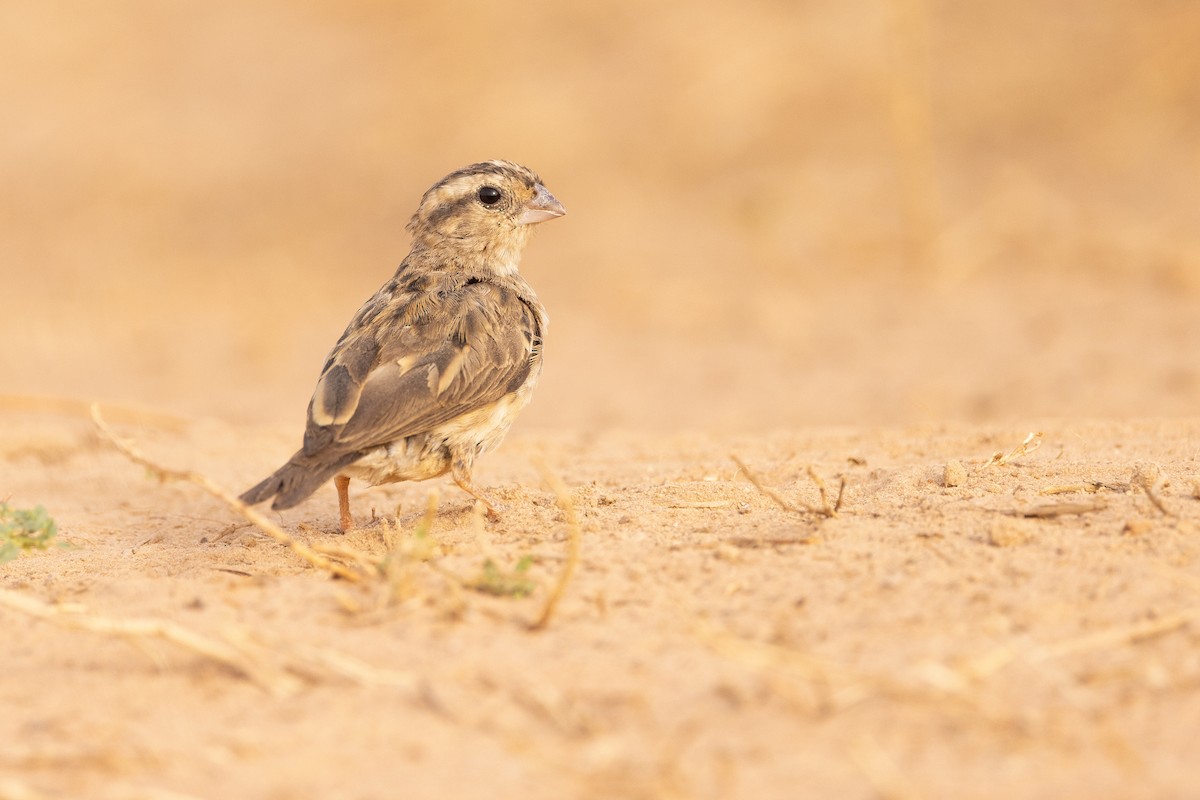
x=462 y=476
x=342 y=482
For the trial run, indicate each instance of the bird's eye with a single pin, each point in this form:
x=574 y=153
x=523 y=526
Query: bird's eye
x=489 y=195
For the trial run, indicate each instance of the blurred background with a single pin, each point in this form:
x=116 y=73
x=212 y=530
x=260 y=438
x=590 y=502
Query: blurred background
x=781 y=213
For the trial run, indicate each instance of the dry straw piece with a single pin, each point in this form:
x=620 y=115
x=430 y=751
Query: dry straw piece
x=1121 y=635
x=1088 y=487
x=834 y=687
x=359 y=567
x=224 y=495
x=826 y=509
x=278 y=672
x=1032 y=442
x=1050 y=510
x=1150 y=479
x=269 y=677
x=574 y=535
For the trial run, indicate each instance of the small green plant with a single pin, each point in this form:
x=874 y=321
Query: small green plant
x=23 y=529
x=495 y=581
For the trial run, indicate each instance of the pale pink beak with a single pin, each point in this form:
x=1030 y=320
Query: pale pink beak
x=542 y=207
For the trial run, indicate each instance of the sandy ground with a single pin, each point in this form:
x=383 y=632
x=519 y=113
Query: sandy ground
x=881 y=242
x=1029 y=631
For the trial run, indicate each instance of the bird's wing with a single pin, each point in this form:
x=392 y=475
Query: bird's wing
x=421 y=359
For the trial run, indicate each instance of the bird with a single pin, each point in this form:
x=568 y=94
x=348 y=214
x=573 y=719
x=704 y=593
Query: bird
x=432 y=370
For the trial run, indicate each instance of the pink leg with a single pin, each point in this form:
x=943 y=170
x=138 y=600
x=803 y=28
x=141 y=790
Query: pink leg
x=342 y=482
x=462 y=476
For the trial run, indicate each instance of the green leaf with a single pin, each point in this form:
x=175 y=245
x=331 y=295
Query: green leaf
x=23 y=529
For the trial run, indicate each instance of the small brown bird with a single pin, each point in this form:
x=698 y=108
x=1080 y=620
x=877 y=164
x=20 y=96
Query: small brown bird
x=432 y=369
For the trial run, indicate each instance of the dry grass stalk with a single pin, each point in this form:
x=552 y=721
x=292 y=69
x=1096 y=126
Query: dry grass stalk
x=701 y=504
x=394 y=568
x=768 y=541
x=319 y=665
x=364 y=562
x=1032 y=442
x=837 y=503
x=1121 y=635
x=482 y=541
x=1157 y=502
x=425 y=524
x=1118 y=636
x=833 y=688
x=271 y=678
x=830 y=687
x=1087 y=487
x=574 y=537
x=826 y=509
x=276 y=671
x=826 y=687
x=1050 y=510
x=1149 y=478
x=224 y=495
x=403 y=556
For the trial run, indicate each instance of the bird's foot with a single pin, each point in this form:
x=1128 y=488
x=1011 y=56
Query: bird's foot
x=491 y=511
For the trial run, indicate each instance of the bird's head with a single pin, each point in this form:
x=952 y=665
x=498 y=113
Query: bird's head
x=483 y=210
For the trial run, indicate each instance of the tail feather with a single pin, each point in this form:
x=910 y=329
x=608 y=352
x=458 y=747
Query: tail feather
x=292 y=483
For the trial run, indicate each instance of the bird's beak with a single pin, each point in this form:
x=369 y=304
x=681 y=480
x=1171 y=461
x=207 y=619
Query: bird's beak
x=542 y=207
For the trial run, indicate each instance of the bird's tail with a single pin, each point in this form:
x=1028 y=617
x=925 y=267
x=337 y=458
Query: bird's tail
x=295 y=480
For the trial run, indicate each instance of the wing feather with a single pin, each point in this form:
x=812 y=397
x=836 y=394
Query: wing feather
x=422 y=357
